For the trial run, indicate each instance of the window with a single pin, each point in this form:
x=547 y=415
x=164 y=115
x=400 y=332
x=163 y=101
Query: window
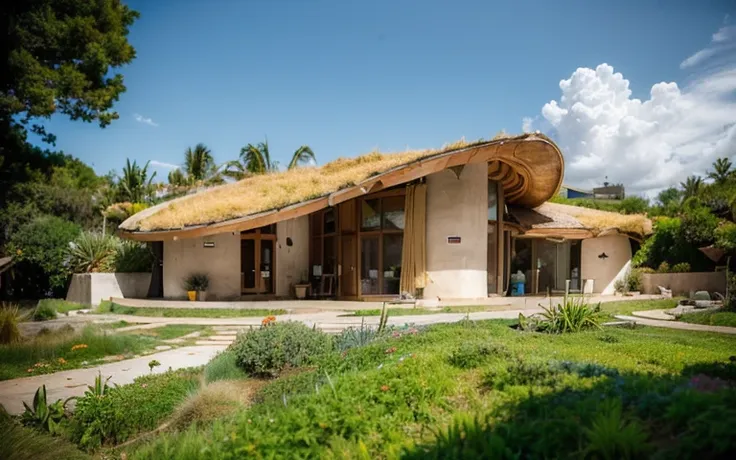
x=370 y=217
x=492 y=200
x=381 y=242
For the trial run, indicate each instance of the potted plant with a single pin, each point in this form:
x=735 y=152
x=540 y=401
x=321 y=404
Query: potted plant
x=300 y=289
x=196 y=285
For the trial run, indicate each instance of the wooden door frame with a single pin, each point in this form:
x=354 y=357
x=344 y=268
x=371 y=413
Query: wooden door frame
x=257 y=237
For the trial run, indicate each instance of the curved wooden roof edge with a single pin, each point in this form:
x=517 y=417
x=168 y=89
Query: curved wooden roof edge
x=540 y=180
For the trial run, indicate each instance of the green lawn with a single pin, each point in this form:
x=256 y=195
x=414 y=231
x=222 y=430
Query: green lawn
x=110 y=307
x=720 y=318
x=53 y=352
x=626 y=307
x=63 y=307
x=418 y=311
x=170 y=331
x=485 y=390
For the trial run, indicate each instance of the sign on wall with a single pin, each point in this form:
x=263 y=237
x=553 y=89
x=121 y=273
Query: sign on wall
x=454 y=240
x=209 y=244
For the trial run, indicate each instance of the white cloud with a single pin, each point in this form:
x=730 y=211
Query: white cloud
x=720 y=41
x=647 y=145
x=141 y=119
x=162 y=164
x=526 y=124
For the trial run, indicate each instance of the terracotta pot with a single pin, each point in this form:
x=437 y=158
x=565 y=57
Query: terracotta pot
x=301 y=291
x=202 y=296
x=192 y=295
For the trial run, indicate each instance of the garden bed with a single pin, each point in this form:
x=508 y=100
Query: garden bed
x=111 y=307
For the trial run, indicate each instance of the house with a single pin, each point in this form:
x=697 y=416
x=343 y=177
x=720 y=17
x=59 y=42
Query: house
x=609 y=192
x=567 y=191
x=453 y=223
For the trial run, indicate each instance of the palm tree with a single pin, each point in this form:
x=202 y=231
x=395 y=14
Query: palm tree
x=256 y=159
x=721 y=170
x=199 y=164
x=303 y=154
x=135 y=185
x=691 y=186
x=177 y=178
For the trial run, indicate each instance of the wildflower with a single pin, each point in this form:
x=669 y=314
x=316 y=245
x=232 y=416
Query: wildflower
x=79 y=346
x=62 y=361
x=144 y=385
x=19 y=252
x=390 y=350
x=384 y=388
x=30 y=370
x=268 y=320
x=322 y=425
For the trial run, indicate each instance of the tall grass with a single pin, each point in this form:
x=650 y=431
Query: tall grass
x=9 y=318
x=61 y=306
x=54 y=351
x=223 y=367
x=20 y=443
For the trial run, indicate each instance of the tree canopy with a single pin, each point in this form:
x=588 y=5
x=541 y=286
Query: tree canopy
x=59 y=56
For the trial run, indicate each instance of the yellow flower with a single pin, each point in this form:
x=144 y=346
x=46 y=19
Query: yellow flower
x=79 y=346
x=62 y=361
x=19 y=252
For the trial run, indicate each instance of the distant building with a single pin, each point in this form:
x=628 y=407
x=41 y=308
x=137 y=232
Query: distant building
x=609 y=192
x=567 y=191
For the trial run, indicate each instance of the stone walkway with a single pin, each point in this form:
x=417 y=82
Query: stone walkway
x=677 y=325
x=62 y=385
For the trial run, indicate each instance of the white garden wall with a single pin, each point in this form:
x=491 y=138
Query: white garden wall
x=92 y=288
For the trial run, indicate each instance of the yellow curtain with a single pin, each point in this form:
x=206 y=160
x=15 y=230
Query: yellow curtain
x=414 y=251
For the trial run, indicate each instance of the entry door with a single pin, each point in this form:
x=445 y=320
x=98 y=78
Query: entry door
x=348 y=272
x=257 y=265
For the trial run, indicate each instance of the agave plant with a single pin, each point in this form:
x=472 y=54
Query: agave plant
x=573 y=315
x=355 y=337
x=92 y=252
x=42 y=415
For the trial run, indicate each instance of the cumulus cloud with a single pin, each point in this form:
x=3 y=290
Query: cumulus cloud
x=647 y=145
x=141 y=119
x=162 y=164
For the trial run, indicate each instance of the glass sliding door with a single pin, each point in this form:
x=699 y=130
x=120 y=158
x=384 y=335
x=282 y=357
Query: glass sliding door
x=381 y=243
x=369 y=265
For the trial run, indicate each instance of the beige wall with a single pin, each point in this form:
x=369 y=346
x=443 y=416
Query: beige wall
x=683 y=283
x=221 y=263
x=605 y=271
x=457 y=207
x=291 y=261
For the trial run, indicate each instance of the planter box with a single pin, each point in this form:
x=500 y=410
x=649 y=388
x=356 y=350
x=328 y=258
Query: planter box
x=92 y=288
x=683 y=283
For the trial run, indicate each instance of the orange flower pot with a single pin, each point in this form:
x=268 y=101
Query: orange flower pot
x=192 y=295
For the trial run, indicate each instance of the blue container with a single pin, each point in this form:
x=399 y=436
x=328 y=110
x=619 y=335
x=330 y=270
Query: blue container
x=517 y=288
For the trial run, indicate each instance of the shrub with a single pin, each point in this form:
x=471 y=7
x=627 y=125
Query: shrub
x=612 y=435
x=9 y=319
x=61 y=306
x=355 y=337
x=646 y=270
x=40 y=252
x=223 y=367
x=573 y=316
x=197 y=282
x=44 y=311
x=92 y=252
x=664 y=267
x=633 y=280
x=125 y=410
x=41 y=415
x=267 y=351
x=132 y=257
x=682 y=267
x=471 y=355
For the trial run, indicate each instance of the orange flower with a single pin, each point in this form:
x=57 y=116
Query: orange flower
x=390 y=350
x=62 y=361
x=30 y=370
x=79 y=346
x=268 y=320
x=384 y=388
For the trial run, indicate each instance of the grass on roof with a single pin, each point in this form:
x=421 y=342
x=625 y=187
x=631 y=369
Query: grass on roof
x=599 y=221
x=274 y=191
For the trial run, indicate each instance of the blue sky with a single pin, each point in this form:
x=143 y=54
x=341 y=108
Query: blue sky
x=347 y=77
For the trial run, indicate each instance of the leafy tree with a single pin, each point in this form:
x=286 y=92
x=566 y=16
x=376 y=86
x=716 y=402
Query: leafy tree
x=135 y=185
x=698 y=226
x=58 y=57
x=669 y=244
x=39 y=249
x=721 y=170
x=669 y=196
x=725 y=236
x=633 y=205
x=691 y=187
x=199 y=163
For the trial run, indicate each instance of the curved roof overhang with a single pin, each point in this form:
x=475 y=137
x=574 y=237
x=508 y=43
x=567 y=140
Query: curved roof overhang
x=530 y=169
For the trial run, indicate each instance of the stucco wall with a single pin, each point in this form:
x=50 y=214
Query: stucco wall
x=292 y=260
x=457 y=207
x=605 y=271
x=221 y=263
x=683 y=283
x=91 y=288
